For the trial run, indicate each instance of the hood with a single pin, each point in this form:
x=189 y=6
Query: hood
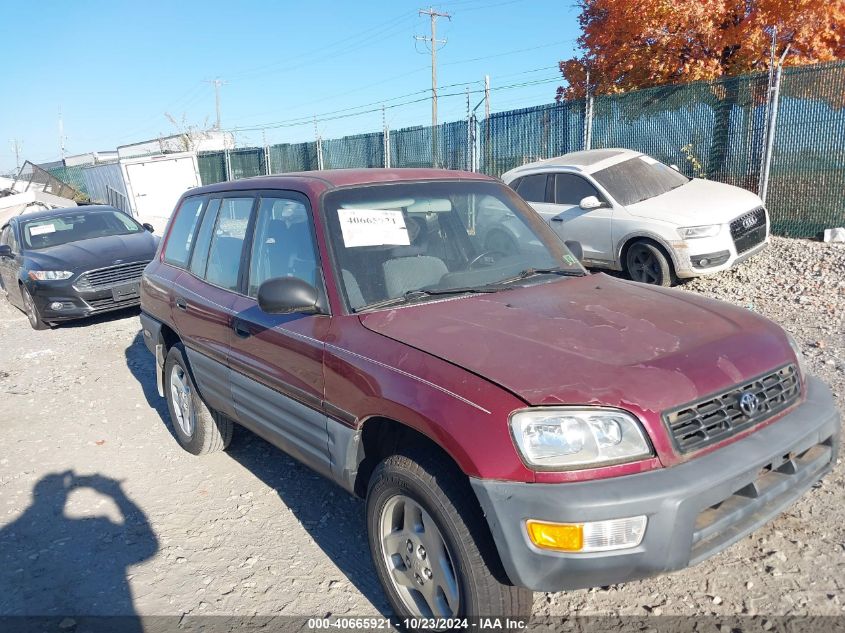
x=697 y=203
x=593 y=340
x=97 y=252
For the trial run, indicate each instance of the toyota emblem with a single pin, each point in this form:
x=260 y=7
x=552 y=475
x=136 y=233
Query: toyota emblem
x=749 y=403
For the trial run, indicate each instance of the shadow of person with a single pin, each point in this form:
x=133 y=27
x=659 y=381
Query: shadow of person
x=56 y=565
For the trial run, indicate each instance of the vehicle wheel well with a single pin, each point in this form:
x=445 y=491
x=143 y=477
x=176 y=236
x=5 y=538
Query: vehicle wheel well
x=382 y=437
x=168 y=337
x=640 y=238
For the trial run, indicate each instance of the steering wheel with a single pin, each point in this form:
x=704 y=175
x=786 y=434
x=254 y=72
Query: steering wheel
x=483 y=255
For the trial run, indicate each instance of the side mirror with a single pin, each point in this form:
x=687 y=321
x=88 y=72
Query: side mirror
x=575 y=248
x=149 y=227
x=590 y=202
x=287 y=295
x=5 y=250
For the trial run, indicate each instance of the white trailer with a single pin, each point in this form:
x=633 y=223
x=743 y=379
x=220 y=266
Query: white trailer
x=154 y=184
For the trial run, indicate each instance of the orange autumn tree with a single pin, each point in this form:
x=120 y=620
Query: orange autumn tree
x=630 y=44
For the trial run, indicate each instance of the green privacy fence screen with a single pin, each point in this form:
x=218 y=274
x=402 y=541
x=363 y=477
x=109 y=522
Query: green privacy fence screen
x=714 y=129
x=807 y=185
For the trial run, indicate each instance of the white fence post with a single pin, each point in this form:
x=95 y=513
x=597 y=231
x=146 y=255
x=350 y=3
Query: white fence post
x=771 y=130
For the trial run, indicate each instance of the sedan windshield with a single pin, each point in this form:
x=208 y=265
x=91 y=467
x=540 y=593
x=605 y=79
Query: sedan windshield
x=639 y=179
x=75 y=226
x=411 y=241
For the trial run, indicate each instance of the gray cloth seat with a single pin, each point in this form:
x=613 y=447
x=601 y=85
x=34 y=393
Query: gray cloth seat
x=411 y=273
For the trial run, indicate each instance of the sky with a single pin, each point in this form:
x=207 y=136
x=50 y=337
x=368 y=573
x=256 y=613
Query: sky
x=115 y=68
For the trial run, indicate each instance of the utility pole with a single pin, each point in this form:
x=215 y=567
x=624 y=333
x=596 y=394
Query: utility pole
x=385 y=131
x=488 y=150
x=61 y=134
x=433 y=15
x=216 y=82
x=16 y=148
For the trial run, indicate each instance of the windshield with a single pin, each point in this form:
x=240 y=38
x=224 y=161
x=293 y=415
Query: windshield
x=639 y=179
x=74 y=226
x=434 y=238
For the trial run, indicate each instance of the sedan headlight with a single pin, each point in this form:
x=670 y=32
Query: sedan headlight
x=692 y=232
x=568 y=439
x=49 y=275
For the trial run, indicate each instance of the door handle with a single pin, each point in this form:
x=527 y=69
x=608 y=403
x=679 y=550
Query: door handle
x=181 y=304
x=242 y=330
x=557 y=219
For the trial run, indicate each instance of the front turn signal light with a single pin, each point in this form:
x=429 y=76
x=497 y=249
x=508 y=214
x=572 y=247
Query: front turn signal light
x=591 y=536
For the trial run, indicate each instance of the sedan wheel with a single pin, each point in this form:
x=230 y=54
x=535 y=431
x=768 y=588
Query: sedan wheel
x=421 y=567
x=31 y=310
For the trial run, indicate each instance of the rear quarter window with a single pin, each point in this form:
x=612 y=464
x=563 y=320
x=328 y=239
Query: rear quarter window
x=181 y=237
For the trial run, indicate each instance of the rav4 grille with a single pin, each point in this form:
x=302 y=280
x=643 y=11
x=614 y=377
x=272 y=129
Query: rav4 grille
x=715 y=418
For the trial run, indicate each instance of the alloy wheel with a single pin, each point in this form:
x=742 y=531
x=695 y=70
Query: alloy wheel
x=421 y=567
x=180 y=394
x=29 y=307
x=644 y=267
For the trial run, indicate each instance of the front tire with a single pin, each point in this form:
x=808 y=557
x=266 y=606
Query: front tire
x=31 y=310
x=646 y=263
x=431 y=545
x=197 y=429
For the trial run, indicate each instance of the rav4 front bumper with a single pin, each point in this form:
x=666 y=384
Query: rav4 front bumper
x=694 y=510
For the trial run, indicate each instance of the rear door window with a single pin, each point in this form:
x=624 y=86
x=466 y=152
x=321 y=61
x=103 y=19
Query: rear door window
x=227 y=240
x=199 y=259
x=532 y=188
x=179 y=241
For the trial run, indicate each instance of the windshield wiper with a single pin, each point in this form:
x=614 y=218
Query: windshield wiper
x=413 y=295
x=533 y=272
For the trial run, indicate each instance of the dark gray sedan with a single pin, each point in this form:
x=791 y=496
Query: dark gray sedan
x=71 y=263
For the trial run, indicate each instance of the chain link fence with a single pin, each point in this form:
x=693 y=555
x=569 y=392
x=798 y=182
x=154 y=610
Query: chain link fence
x=32 y=176
x=709 y=129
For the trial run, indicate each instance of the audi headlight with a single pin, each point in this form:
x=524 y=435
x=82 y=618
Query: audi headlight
x=568 y=439
x=49 y=275
x=692 y=232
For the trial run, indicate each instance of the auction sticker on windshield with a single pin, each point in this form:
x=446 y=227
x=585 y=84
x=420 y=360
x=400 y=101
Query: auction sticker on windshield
x=42 y=230
x=373 y=227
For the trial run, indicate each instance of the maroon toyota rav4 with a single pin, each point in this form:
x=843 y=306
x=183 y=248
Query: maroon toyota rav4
x=513 y=422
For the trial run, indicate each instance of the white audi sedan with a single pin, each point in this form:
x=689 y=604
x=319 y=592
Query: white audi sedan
x=632 y=213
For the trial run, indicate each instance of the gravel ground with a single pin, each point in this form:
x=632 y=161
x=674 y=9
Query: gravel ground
x=102 y=513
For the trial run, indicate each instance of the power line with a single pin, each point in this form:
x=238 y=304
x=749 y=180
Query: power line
x=343 y=114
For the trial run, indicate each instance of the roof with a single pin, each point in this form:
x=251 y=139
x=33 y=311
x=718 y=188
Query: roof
x=316 y=181
x=586 y=161
x=49 y=213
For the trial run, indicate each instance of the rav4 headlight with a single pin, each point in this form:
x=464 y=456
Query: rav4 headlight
x=49 y=275
x=799 y=355
x=569 y=439
x=692 y=232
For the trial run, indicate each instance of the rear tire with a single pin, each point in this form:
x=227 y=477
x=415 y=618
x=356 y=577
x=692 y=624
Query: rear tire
x=31 y=310
x=424 y=500
x=197 y=428
x=646 y=263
